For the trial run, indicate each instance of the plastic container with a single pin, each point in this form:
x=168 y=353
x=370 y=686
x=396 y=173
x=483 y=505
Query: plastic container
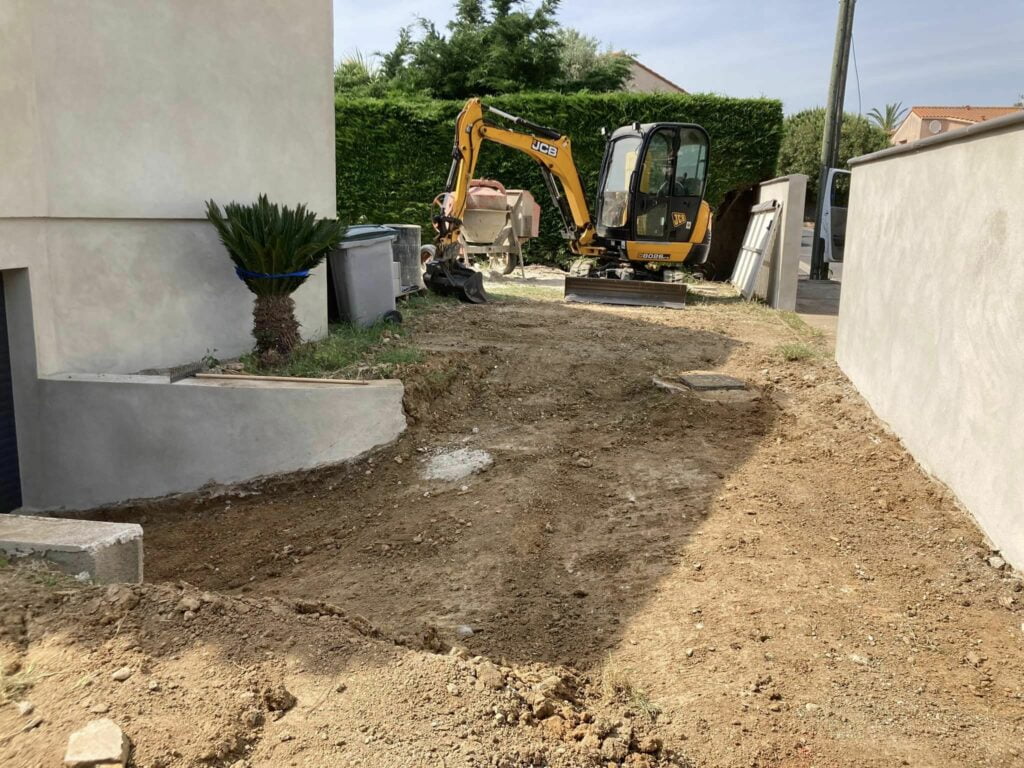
x=362 y=274
x=407 y=253
x=396 y=278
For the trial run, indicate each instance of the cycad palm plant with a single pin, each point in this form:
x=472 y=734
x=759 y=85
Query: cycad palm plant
x=273 y=248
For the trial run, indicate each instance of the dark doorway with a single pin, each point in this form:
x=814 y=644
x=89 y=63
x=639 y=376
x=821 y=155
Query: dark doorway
x=10 y=475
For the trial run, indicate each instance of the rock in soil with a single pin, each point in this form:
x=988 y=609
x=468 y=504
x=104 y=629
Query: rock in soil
x=457 y=464
x=614 y=749
x=99 y=743
x=489 y=676
x=277 y=698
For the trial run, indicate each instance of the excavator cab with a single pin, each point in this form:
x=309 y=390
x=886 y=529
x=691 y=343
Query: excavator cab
x=650 y=193
x=651 y=216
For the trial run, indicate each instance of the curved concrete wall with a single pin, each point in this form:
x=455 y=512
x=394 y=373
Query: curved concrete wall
x=110 y=438
x=931 y=321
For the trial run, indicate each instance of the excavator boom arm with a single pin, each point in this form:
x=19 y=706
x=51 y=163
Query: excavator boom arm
x=551 y=150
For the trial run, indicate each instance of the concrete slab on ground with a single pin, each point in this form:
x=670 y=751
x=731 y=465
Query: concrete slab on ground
x=704 y=382
x=817 y=302
x=108 y=552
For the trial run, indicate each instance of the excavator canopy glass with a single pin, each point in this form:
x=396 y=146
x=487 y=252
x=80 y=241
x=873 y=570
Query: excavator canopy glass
x=613 y=201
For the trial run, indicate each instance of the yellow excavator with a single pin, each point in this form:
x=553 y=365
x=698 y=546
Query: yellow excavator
x=651 y=214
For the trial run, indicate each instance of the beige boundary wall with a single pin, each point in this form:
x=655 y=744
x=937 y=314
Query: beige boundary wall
x=931 y=321
x=777 y=281
x=119 y=119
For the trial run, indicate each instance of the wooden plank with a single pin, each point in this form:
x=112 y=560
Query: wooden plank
x=298 y=379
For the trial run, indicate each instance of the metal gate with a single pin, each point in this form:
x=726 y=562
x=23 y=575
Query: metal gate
x=10 y=476
x=757 y=244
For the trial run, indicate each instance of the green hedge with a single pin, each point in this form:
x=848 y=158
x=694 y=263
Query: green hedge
x=393 y=155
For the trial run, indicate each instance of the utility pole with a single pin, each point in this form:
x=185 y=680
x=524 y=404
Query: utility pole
x=833 y=127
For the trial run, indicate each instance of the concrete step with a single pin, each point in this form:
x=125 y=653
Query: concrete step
x=105 y=553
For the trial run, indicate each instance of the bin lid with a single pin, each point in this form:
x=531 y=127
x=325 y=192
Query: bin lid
x=363 y=232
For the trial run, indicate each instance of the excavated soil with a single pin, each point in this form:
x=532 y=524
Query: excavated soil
x=640 y=576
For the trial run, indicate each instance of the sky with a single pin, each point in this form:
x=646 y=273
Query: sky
x=923 y=52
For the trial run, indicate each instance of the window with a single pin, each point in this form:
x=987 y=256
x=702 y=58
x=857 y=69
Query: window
x=841 y=190
x=655 y=185
x=615 y=197
x=657 y=173
x=691 y=163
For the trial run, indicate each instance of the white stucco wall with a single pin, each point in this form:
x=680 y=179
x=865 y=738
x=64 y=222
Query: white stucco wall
x=121 y=295
x=119 y=119
x=931 y=321
x=145 y=108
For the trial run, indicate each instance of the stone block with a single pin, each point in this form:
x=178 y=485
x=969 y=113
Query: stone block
x=706 y=382
x=108 y=552
x=99 y=743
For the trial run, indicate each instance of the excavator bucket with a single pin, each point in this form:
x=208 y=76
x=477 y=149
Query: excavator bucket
x=450 y=278
x=633 y=293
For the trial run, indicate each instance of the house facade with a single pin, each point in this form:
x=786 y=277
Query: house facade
x=119 y=119
x=922 y=122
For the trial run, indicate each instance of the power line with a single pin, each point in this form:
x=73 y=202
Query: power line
x=833 y=127
x=856 y=72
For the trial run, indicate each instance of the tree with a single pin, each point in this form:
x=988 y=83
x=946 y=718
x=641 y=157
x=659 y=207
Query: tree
x=889 y=120
x=1020 y=100
x=801 y=144
x=491 y=46
x=494 y=49
x=585 y=67
x=357 y=75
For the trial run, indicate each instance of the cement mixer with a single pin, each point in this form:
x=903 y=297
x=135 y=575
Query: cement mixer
x=497 y=223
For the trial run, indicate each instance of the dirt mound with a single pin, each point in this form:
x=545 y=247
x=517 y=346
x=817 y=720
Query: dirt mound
x=258 y=681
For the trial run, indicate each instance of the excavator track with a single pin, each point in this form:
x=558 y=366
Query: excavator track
x=632 y=293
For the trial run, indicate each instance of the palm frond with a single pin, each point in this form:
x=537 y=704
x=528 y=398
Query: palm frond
x=267 y=239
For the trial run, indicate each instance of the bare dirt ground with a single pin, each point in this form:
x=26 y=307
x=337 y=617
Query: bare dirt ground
x=650 y=577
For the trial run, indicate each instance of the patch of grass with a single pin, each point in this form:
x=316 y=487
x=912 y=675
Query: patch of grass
x=398 y=355
x=4 y=562
x=417 y=303
x=797 y=323
x=790 y=319
x=616 y=684
x=13 y=686
x=353 y=352
x=797 y=350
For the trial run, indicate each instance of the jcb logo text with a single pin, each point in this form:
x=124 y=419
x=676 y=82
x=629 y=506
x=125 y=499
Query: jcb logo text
x=547 y=149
